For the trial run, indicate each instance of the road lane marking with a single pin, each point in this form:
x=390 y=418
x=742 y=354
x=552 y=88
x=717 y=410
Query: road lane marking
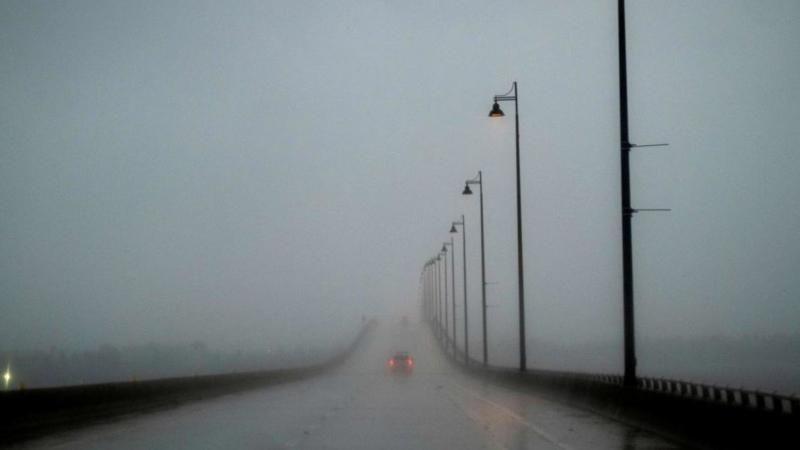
x=511 y=413
x=478 y=420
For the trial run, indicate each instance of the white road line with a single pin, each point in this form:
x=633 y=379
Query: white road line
x=477 y=419
x=547 y=436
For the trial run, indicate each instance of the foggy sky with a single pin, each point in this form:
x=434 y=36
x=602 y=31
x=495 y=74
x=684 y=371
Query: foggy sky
x=250 y=172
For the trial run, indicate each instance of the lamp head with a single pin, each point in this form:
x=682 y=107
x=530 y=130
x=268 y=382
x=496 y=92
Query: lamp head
x=496 y=111
x=444 y=249
x=467 y=190
x=453 y=229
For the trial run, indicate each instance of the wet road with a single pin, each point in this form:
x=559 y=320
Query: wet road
x=360 y=406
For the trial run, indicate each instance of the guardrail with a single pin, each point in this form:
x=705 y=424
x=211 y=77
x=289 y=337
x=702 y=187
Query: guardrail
x=31 y=413
x=764 y=401
x=693 y=413
x=725 y=395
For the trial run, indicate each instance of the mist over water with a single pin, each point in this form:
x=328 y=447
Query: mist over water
x=260 y=176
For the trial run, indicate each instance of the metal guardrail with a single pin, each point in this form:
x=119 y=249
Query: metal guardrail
x=769 y=402
x=763 y=401
x=723 y=395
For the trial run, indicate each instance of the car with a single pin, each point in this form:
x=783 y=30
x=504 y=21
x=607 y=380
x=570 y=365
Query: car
x=401 y=363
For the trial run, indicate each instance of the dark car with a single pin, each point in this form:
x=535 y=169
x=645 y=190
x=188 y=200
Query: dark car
x=401 y=362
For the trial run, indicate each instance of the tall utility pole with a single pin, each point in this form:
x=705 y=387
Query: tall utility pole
x=629 y=379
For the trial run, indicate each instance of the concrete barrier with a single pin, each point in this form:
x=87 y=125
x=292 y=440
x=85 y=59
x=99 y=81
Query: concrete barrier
x=26 y=414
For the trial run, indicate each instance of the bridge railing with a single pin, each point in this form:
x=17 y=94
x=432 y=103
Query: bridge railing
x=764 y=401
x=770 y=402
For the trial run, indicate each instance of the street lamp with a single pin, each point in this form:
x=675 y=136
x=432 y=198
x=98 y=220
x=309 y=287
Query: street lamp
x=436 y=260
x=497 y=112
x=453 y=229
x=467 y=191
x=423 y=300
x=424 y=280
x=427 y=291
x=443 y=252
x=453 y=284
x=434 y=311
x=434 y=298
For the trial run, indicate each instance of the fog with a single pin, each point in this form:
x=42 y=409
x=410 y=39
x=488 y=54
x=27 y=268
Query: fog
x=263 y=175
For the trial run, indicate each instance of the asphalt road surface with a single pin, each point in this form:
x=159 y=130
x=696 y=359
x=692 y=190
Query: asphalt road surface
x=360 y=406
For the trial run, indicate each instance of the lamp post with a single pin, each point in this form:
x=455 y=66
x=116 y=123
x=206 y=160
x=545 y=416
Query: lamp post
x=425 y=300
x=427 y=291
x=453 y=300
x=467 y=191
x=453 y=292
x=453 y=229
x=423 y=281
x=431 y=302
x=432 y=296
x=497 y=112
x=437 y=277
x=446 y=315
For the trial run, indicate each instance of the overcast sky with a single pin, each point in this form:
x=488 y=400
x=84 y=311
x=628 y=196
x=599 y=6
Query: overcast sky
x=242 y=172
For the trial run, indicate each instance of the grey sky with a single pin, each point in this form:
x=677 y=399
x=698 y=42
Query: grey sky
x=257 y=170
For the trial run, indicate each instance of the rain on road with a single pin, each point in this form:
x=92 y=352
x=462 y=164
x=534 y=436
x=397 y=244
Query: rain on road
x=359 y=406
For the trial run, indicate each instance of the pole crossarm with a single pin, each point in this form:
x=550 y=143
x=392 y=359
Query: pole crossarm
x=636 y=210
x=629 y=145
